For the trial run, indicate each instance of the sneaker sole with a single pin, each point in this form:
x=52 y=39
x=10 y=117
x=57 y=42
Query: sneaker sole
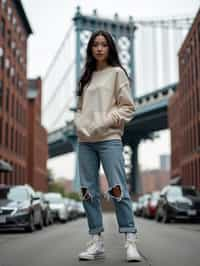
x=94 y=257
x=134 y=259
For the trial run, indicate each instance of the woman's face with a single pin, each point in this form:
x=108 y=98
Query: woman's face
x=100 y=49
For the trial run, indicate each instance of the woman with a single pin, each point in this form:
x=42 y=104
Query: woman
x=104 y=105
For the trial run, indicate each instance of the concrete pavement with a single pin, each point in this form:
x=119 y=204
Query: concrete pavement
x=59 y=245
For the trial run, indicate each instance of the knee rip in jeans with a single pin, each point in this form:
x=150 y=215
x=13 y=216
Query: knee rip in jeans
x=116 y=192
x=86 y=195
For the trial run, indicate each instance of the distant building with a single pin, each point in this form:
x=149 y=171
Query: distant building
x=37 y=155
x=165 y=162
x=127 y=153
x=154 y=179
x=68 y=185
x=184 y=111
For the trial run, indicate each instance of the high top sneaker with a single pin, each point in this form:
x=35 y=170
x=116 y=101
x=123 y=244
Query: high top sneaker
x=94 y=250
x=132 y=253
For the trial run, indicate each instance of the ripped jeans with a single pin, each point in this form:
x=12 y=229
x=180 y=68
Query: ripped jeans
x=110 y=154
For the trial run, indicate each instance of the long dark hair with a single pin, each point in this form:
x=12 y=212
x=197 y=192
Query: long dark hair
x=90 y=64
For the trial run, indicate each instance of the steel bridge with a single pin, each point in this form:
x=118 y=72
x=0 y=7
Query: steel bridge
x=148 y=51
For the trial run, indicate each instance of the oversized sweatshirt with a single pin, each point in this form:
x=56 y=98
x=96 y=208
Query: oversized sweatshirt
x=104 y=107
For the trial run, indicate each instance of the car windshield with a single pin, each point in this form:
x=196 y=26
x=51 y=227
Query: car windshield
x=53 y=199
x=15 y=193
x=174 y=192
x=155 y=196
x=189 y=192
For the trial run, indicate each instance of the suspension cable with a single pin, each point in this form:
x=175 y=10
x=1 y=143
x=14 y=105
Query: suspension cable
x=57 y=53
x=60 y=83
x=57 y=119
x=178 y=23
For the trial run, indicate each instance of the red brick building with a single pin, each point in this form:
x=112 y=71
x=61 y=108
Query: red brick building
x=14 y=138
x=37 y=139
x=155 y=179
x=184 y=111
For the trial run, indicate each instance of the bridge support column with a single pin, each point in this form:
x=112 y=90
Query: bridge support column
x=135 y=182
x=76 y=182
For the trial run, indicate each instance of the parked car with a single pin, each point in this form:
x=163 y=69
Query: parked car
x=5 y=167
x=134 y=206
x=20 y=208
x=152 y=204
x=46 y=211
x=57 y=206
x=178 y=202
x=138 y=211
x=81 y=210
x=145 y=202
x=72 y=208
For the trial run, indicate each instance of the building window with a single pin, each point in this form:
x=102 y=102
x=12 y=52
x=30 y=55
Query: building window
x=16 y=80
x=16 y=110
x=1 y=130
x=18 y=52
x=13 y=45
x=3 y=4
x=12 y=71
x=2 y=27
x=9 y=13
x=7 y=99
x=1 y=58
x=6 y=135
x=18 y=29
x=1 y=95
x=14 y=20
x=9 y=38
x=199 y=134
x=7 y=65
x=199 y=31
x=16 y=140
x=12 y=139
x=12 y=105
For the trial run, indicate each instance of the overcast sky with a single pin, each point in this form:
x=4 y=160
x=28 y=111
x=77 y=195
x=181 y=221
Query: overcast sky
x=50 y=20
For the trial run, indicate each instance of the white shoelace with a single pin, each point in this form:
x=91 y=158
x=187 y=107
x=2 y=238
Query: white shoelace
x=90 y=243
x=130 y=242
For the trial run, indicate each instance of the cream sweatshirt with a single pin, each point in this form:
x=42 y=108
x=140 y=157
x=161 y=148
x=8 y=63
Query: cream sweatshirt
x=105 y=106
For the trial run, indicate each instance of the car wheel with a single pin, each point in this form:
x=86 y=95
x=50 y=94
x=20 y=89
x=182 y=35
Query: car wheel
x=31 y=226
x=40 y=225
x=157 y=217
x=46 y=220
x=51 y=220
x=165 y=217
x=143 y=214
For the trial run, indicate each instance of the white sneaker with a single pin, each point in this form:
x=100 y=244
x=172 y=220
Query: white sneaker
x=95 y=249
x=132 y=253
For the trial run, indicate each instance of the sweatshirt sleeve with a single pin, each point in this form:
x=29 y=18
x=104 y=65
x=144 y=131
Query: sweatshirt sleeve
x=79 y=103
x=125 y=108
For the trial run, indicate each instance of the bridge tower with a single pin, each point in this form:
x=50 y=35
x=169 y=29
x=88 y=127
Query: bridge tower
x=123 y=33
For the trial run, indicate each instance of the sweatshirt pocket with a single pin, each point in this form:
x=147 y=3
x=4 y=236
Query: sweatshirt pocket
x=103 y=121
x=96 y=123
x=83 y=125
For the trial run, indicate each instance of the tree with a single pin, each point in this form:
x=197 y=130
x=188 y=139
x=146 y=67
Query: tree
x=57 y=187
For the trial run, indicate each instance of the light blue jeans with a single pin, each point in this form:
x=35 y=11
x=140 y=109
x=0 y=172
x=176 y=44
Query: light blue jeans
x=110 y=153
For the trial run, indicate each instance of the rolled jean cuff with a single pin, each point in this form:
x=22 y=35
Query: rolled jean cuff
x=128 y=230
x=96 y=231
